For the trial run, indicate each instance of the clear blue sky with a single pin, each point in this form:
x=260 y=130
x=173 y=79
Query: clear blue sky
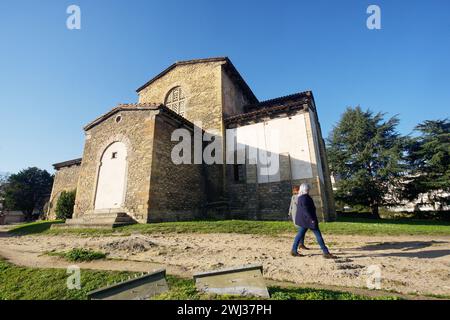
x=54 y=80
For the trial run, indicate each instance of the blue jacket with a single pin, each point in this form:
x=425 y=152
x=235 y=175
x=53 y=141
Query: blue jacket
x=306 y=213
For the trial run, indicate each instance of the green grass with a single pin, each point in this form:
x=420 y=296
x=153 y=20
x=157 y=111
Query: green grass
x=344 y=226
x=319 y=294
x=33 y=227
x=50 y=284
x=22 y=283
x=183 y=289
x=79 y=254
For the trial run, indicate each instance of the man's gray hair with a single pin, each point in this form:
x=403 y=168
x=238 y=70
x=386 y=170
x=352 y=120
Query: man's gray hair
x=304 y=189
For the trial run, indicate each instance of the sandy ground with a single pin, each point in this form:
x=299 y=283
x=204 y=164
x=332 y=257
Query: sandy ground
x=419 y=265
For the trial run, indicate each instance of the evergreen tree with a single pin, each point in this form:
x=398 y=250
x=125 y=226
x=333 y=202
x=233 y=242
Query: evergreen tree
x=429 y=162
x=366 y=152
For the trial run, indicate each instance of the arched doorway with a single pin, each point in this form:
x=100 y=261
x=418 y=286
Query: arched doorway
x=112 y=177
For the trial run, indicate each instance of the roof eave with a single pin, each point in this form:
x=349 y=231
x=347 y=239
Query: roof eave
x=121 y=107
x=273 y=108
x=245 y=87
x=179 y=63
x=67 y=163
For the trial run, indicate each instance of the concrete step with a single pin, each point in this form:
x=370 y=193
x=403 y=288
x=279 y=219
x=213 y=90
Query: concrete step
x=98 y=220
x=124 y=219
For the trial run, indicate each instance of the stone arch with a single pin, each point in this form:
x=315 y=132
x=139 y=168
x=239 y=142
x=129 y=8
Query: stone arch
x=115 y=138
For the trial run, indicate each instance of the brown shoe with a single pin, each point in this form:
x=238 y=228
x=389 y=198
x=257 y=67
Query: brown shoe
x=302 y=246
x=329 y=256
x=295 y=254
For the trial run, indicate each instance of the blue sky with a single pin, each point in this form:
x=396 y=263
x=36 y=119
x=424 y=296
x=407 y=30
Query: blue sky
x=54 y=80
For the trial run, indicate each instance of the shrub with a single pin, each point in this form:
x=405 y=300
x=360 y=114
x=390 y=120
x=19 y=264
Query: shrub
x=79 y=254
x=65 y=204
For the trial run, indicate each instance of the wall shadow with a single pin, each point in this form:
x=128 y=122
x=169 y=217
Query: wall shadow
x=429 y=254
x=403 y=221
x=404 y=246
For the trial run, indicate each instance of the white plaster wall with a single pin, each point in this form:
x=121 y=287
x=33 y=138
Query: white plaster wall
x=112 y=177
x=278 y=136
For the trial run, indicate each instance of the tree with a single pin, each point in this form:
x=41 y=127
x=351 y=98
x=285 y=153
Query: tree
x=429 y=162
x=3 y=183
x=65 y=204
x=366 y=152
x=27 y=190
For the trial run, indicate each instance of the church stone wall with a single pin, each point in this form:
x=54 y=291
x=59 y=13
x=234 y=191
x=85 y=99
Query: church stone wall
x=325 y=174
x=176 y=191
x=66 y=179
x=233 y=99
x=135 y=130
x=270 y=201
x=159 y=190
x=201 y=84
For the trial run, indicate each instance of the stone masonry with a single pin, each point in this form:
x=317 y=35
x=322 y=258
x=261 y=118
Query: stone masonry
x=214 y=94
x=66 y=179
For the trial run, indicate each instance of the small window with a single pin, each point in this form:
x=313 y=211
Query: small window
x=118 y=119
x=114 y=155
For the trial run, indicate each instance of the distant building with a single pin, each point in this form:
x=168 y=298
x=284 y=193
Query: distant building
x=334 y=178
x=422 y=203
x=10 y=217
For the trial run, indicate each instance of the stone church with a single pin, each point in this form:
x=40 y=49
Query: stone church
x=126 y=173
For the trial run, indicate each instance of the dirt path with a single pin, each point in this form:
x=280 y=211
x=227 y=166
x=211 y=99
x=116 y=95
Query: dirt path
x=419 y=265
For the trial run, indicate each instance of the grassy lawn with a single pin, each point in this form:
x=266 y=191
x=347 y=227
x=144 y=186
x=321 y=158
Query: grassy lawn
x=50 y=284
x=33 y=227
x=345 y=226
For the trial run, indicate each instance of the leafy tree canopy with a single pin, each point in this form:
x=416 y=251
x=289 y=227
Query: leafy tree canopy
x=366 y=153
x=27 y=190
x=429 y=162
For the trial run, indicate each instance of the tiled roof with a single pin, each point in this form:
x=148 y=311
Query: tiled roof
x=136 y=107
x=272 y=107
x=228 y=66
x=123 y=107
x=67 y=163
x=295 y=97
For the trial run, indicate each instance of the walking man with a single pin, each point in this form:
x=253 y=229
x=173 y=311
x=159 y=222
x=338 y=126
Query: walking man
x=305 y=219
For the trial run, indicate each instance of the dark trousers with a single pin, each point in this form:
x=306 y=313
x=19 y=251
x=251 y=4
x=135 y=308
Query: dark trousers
x=300 y=239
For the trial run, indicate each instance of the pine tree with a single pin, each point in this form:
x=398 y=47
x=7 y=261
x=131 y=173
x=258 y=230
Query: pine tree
x=429 y=162
x=366 y=153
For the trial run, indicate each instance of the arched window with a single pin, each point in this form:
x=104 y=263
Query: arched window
x=175 y=100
